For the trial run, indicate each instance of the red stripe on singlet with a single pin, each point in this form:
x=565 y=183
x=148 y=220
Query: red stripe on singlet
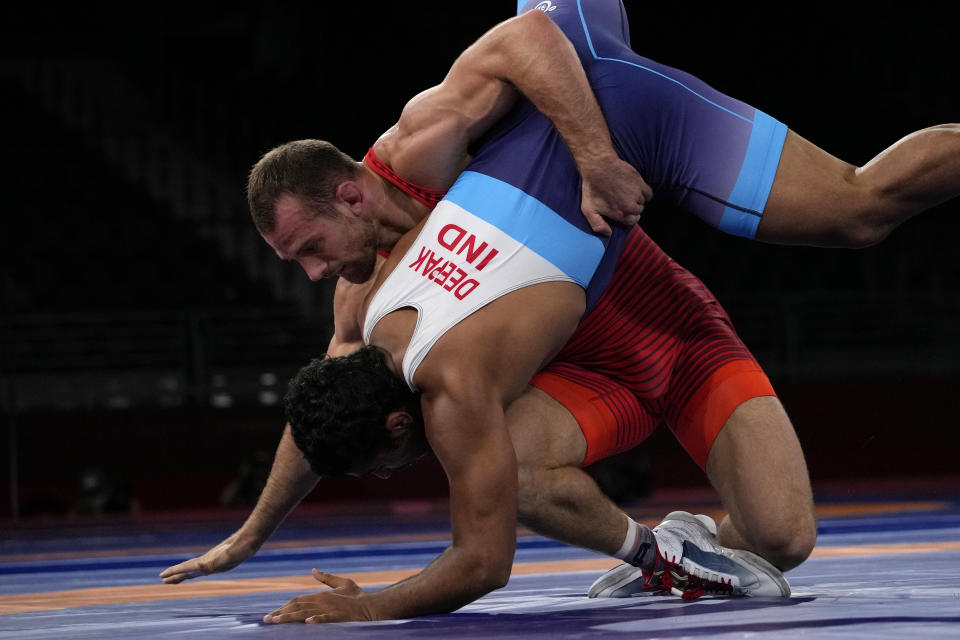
x=638 y=315
x=423 y=195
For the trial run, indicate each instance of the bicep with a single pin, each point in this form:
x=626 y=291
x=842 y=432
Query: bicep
x=471 y=441
x=479 y=96
x=470 y=99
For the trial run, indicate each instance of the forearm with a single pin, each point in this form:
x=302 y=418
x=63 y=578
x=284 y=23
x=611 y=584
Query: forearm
x=474 y=448
x=454 y=579
x=555 y=83
x=290 y=480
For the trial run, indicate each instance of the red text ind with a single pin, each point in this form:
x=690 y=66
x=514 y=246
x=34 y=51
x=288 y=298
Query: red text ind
x=447 y=273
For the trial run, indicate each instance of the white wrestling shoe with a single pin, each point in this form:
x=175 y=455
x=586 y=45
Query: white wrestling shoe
x=690 y=564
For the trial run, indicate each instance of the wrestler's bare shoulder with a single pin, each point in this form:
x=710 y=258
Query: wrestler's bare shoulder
x=428 y=148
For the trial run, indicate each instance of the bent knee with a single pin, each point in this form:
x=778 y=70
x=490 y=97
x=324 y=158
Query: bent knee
x=788 y=546
x=863 y=230
x=863 y=218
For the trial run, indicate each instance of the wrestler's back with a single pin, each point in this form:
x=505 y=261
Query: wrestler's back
x=504 y=343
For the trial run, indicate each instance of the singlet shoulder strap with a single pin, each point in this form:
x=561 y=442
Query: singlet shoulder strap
x=428 y=197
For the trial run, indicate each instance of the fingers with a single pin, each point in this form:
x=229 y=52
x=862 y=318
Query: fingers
x=295 y=610
x=597 y=223
x=183 y=571
x=310 y=608
x=345 y=603
x=310 y=616
x=281 y=618
x=323 y=617
x=647 y=193
x=630 y=219
x=177 y=578
x=340 y=585
x=331 y=580
x=175 y=569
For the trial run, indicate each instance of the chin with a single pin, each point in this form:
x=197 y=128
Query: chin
x=357 y=274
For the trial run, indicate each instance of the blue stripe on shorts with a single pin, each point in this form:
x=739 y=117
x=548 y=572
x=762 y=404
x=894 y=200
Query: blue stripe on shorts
x=753 y=185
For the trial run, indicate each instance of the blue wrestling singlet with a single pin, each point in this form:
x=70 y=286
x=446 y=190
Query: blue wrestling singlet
x=697 y=148
x=700 y=149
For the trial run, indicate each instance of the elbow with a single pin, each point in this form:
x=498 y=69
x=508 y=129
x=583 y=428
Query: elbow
x=494 y=579
x=533 y=17
x=536 y=23
x=488 y=574
x=535 y=26
x=499 y=576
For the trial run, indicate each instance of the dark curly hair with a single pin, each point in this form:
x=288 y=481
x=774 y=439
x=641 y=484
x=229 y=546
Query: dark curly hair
x=337 y=409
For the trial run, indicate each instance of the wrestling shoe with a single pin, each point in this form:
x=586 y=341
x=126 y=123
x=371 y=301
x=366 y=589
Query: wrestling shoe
x=627 y=580
x=690 y=564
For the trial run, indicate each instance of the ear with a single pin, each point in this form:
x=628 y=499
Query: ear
x=350 y=193
x=399 y=424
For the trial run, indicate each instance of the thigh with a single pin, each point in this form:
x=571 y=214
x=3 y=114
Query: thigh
x=606 y=416
x=812 y=198
x=545 y=434
x=757 y=466
x=701 y=150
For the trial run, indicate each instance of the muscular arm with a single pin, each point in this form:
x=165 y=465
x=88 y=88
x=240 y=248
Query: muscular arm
x=482 y=85
x=290 y=481
x=468 y=378
x=347 y=331
x=290 y=478
x=468 y=434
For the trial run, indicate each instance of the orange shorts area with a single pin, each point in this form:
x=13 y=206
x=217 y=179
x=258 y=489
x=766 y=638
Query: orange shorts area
x=613 y=419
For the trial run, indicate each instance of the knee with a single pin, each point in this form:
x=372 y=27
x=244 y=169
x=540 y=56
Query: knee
x=790 y=544
x=863 y=233
x=862 y=216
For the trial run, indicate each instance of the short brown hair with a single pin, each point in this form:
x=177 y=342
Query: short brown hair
x=309 y=169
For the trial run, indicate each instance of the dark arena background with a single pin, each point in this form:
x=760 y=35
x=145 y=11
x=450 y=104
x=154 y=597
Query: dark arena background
x=147 y=332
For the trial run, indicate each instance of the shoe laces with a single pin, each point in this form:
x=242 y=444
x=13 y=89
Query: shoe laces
x=669 y=576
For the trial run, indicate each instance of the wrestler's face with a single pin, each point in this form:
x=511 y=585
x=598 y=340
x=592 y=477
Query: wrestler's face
x=410 y=449
x=341 y=244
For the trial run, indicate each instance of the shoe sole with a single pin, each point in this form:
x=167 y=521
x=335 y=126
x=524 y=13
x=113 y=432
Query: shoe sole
x=616 y=579
x=762 y=566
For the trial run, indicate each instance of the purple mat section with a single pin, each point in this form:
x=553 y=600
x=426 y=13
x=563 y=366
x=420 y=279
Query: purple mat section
x=865 y=595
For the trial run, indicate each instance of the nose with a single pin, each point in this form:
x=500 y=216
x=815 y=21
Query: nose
x=315 y=270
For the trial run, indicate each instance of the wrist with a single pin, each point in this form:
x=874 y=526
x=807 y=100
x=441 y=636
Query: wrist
x=250 y=538
x=369 y=607
x=376 y=606
x=595 y=159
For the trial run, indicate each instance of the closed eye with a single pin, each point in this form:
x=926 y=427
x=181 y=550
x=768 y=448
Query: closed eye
x=309 y=248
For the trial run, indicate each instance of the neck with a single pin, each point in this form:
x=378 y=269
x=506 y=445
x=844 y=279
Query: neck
x=394 y=212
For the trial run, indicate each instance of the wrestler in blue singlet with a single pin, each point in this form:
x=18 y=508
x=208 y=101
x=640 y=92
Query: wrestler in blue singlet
x=697 y=148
